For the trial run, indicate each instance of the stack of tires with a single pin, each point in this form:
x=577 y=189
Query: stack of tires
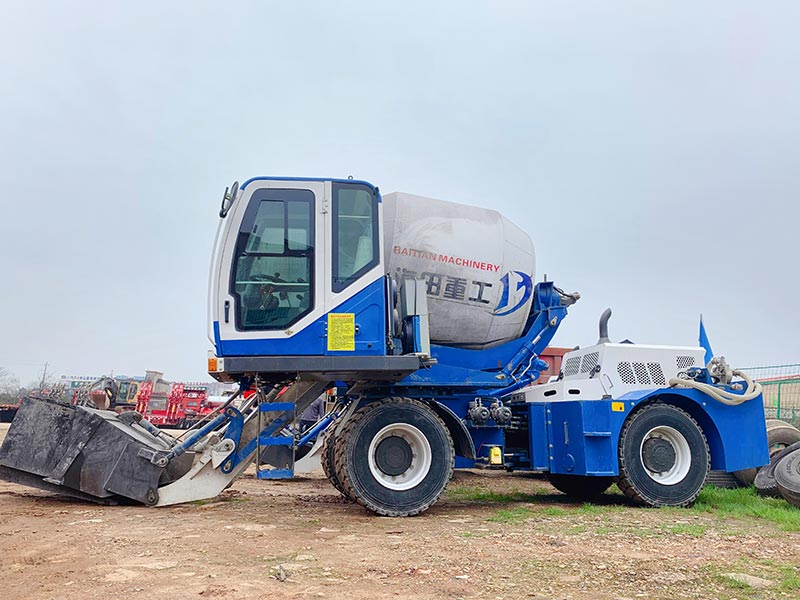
x=781 y=477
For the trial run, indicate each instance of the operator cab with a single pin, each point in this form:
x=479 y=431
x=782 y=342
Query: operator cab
x=298 y=271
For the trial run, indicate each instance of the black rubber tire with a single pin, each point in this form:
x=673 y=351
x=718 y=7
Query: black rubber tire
x=746 y=476
x=580 y=487
x=780 y=434
x=634 y=480
x=787 y=477
x=765 y=479
x=723 y=479
x=352 y=460
x=326 y=457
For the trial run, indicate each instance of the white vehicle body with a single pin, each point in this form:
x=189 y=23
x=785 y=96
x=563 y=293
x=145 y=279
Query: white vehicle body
x=609 y=371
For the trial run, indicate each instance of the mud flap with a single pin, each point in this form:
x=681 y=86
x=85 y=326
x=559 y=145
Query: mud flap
x=53 y=446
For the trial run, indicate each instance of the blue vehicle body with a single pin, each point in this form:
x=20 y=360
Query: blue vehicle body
x=581 y=437
x=577 y=437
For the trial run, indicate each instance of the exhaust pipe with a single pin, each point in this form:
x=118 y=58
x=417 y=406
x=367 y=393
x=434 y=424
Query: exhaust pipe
x=604 y=339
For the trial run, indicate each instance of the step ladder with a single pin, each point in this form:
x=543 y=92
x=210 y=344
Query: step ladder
x=276 y=443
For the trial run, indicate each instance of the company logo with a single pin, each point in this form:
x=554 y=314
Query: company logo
x=517 y=297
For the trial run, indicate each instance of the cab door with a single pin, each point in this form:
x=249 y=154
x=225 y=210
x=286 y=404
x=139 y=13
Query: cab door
x=354 y=271
x=268 y=292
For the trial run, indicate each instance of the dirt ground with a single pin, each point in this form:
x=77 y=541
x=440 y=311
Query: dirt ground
x=494 y=536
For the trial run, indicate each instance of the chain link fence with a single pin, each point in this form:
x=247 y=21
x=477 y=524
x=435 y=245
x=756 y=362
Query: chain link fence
x=781 y=385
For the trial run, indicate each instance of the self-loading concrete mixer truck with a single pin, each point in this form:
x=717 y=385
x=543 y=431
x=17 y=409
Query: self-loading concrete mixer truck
x=428 y=316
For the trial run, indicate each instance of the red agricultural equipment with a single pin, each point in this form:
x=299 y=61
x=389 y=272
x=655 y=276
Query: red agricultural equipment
x=176 y=405
x=159 y=402
x=196 y=404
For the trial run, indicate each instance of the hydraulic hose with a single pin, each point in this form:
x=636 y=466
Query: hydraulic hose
x=753 y=389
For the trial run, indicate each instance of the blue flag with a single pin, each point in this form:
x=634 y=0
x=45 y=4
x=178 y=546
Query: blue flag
x=704 y=343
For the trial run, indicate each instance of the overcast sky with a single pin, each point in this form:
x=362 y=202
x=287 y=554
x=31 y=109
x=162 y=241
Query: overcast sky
x=651 y=150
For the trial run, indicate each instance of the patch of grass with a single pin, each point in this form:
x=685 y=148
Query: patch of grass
x=588 y=508
x=553 y=511
x=604 y=530
x=576 y=530
x=786 y=576
x=791 y=582
x=465 y=493
x=745 y=503
x=472 y=534
x=789 y=575
x=731 y=582
x=511 y=515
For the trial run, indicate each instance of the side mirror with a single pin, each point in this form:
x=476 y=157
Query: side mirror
x=228 y=198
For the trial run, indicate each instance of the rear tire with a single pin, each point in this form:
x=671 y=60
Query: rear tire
x=780 y=435
x=580 y=487
x=394 y=457
x=663 y=457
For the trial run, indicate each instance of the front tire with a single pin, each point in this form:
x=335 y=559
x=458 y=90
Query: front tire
x=327 y=458
x=663 y=457
x=394 y=457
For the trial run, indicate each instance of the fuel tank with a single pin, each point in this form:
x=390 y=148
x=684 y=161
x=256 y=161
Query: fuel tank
x=478 y=266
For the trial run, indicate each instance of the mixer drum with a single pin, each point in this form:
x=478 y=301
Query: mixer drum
x=478 y=266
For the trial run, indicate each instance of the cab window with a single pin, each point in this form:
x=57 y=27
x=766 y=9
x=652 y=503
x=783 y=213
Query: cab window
x=355 y=233
x=273 y=265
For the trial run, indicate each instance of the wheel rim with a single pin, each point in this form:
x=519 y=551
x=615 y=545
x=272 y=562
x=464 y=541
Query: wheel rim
x=399 y=456
x=665 y=455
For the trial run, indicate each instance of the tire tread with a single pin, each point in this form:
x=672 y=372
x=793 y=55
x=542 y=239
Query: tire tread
x=327 y=459
x=339 y=459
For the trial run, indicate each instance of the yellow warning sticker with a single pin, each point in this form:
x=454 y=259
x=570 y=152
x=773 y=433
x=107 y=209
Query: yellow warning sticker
x=341 y=332
x=618 y=406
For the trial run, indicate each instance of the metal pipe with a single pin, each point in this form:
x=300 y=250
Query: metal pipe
x=527 y=351
x=316 y=429
x=604 y=339
x=195 y=437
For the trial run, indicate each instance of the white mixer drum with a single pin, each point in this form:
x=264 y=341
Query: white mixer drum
x=478 y=265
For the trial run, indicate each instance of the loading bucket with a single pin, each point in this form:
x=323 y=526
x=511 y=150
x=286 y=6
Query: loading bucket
x=83 y=452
